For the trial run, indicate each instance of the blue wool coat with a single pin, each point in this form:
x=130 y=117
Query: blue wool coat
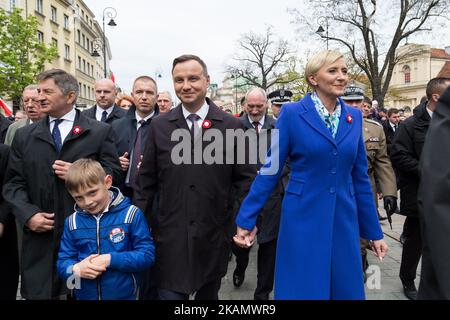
x=327 y=207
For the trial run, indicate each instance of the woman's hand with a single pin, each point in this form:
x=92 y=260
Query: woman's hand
x=380 y=248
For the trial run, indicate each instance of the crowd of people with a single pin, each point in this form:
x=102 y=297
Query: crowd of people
x=95 y=206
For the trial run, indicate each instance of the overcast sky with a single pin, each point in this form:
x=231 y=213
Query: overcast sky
x=150 y=34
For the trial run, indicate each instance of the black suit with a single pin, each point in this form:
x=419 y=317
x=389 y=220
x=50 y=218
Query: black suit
x=268 y=225
x=9 y=266
x=193 y=210
x=116 y=114
x=32 y=187
x=4 y=124
x=390 y=134
x=434 y=205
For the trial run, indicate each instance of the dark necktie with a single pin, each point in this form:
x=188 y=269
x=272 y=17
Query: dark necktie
x=256 y=126
x=56 y=134
x=195 y=129
x=137 y=152
x=395 y=127
x=104 y=116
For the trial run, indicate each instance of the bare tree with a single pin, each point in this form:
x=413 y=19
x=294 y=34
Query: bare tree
x=372 y=31
x=262 y=61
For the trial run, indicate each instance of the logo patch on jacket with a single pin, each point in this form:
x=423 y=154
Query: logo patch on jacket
x=374 y=139
x=117 y=235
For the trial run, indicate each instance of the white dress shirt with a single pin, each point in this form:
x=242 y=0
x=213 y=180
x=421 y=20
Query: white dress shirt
x=139 y=118
x=430 y=113
x=99 y=112
x=66 y=125
x=261 y=122
x=202 y=113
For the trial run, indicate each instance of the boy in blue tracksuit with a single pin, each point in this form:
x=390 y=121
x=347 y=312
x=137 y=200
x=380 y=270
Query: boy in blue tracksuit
x=106 y=241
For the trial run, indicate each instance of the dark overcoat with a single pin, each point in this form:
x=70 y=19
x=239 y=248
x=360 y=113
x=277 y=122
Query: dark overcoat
x=434 y=205
x=33 y=187
x=405 y=155
x=4 y=124
x=193 y=211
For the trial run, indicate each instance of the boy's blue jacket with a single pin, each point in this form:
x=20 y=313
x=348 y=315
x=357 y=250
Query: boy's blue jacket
x=123 y=232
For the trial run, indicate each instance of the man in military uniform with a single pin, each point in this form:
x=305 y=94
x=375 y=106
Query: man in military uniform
x=378 y=160
x=277 y=99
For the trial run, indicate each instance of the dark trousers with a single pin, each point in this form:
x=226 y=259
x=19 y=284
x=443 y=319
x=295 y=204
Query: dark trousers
x=242 y=257
x=266 y=269
x=209 y=291
x=412 y=249
x=9 y=262
x=148 y=288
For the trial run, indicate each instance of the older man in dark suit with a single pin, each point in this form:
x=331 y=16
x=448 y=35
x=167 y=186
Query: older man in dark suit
x=105 y=110
x=193 y=211
x=39 y=160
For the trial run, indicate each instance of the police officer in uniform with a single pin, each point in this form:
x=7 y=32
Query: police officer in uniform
x=379 y=163
x=277 y=98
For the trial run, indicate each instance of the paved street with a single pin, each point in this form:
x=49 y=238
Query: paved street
x=390 y=286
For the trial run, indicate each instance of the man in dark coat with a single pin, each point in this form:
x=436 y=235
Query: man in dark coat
x=193 y=210
x=105 y=110
x=9 y=266
x=131 y=132
x=40 y=156
x=4 y=124
x=256 y=119
x=390 y=126
x=434 y=205
x=405 y=155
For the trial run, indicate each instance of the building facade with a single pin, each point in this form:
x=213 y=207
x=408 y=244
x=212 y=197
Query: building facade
x=71 y=26
x=411 y=75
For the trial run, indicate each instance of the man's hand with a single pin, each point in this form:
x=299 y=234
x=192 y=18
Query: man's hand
x=61 y=168
x=379 y=195
x=245 y=238
x=390 y=205
x=124 y=162
x=380 y=248
x=102 y=260
x=2 y=228
x=41 y=222
x=86 y=269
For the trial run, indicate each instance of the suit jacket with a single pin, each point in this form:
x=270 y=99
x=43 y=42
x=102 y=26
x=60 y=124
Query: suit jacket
x=434 y=205
x=33 y=187
x=13 y=128
x=116 y=114
x=389 y=133
x=4 y=124
x=193 y=209
x=327 y=207
x=270 y=215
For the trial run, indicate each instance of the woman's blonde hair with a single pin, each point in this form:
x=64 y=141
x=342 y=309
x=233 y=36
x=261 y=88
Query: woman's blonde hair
x=84 y=174
x=319 y=60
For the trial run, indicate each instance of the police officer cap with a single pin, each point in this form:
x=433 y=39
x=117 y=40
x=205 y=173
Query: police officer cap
x=353 y=92
x=280 y=96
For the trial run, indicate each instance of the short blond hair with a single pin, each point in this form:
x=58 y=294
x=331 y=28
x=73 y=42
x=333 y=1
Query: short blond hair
x=84 y=174
x=320 y=59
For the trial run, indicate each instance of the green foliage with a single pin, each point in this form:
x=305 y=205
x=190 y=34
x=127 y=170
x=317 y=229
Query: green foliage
x=22 y=56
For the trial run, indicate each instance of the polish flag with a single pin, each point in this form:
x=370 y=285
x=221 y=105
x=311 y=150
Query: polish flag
x=5 y=108
x=111 y=75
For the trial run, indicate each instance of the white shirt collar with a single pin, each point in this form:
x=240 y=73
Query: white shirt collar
x=202 y=112
x=261 y=121
x=430 y=112
x=139 y=118
x=70 y=116
x=99 y=111
x=392 y=125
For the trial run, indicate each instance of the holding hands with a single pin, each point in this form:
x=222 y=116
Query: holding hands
x=245 y=238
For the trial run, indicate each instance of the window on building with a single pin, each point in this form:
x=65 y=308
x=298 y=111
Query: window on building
x=66 y=22
x=80 y=87
x=55 y=42
x=92 y=72
x=84 y=89
x=88 y=44
x=83 y=43
x=84 y=66
x=66 y=52
x=79 y=36
x=39 y=6
x=54 y=14
x=12 y=5
x=79 y=62
x=407 y=73
x=88 y=68
x=40 y=37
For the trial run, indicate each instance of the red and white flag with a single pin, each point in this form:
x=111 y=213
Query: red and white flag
x=6 y=110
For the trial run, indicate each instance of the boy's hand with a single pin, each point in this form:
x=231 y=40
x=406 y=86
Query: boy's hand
x=41 y=222
x=61 y=169
x=103 y=260
x=87 y=270
x=124 y=162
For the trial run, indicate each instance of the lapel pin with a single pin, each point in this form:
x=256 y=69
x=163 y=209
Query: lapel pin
x=206 y=124
x=76 y=130
x=349 y=119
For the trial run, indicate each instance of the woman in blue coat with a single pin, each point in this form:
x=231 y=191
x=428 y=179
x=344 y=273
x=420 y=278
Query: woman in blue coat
x=328 y=203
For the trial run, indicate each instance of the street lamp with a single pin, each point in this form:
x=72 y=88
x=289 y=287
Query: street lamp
x=110 y=13
x=320 y=31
